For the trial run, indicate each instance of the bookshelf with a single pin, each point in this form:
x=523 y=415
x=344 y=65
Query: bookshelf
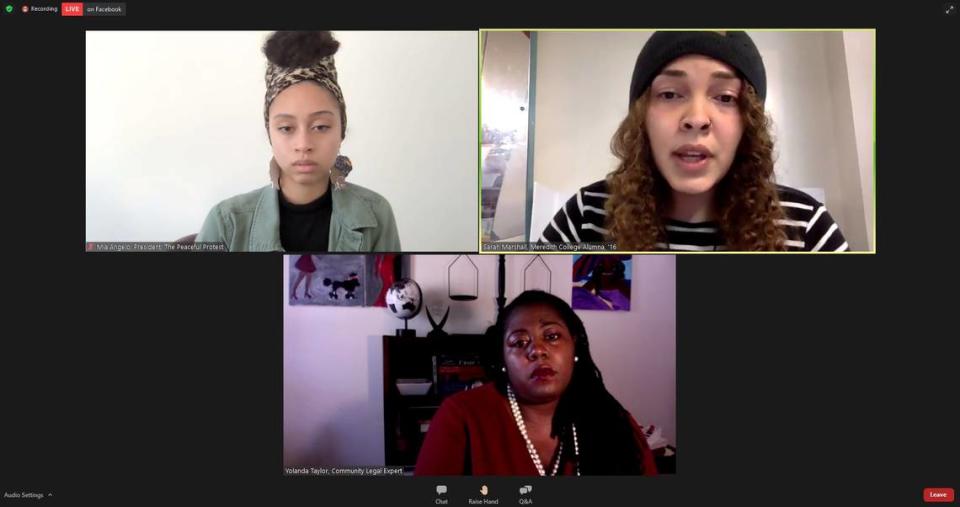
x=450 y=363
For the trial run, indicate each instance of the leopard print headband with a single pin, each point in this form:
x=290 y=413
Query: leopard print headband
x=323 y=72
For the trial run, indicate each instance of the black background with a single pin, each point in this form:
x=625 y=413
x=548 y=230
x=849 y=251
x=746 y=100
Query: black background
x=801 y=379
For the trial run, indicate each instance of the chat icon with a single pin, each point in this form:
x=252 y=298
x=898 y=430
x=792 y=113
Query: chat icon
x=526 y=489
x=441 y=489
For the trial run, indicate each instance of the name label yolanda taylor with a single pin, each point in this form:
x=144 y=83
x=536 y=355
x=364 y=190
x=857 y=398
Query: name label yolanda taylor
x=354 y=471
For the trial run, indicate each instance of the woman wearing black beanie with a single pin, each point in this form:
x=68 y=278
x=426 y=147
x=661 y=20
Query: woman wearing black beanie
x=696 y=160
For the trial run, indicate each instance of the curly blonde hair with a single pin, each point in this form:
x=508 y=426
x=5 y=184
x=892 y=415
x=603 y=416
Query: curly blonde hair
x=748 y=205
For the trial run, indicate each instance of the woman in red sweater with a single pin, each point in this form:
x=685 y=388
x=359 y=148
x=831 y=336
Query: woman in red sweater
x=546 y=413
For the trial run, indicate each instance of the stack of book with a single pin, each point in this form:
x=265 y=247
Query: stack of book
x=453 y=374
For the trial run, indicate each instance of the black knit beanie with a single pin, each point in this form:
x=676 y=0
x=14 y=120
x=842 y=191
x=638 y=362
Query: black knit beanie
x=736 y=49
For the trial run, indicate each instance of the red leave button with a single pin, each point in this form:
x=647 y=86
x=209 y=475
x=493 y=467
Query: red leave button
x=938 y=494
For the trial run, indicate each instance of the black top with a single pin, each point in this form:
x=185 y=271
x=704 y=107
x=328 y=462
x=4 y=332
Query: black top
x=582 y=220
x=305 y=227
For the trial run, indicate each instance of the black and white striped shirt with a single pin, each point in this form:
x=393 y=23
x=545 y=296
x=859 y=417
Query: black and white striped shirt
x=581 y=220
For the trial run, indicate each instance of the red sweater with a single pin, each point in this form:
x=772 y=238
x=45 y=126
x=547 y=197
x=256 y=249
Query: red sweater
x=474 y=432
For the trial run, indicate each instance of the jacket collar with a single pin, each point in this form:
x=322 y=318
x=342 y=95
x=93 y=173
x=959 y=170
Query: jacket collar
x=351 y=215
x=265 y=229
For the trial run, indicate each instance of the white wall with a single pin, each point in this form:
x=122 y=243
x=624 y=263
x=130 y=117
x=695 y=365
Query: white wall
x=174 y=124
x=582 y=98
x=332 y=375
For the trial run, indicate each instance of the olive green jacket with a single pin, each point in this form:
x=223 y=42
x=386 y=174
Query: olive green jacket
x=361 y=221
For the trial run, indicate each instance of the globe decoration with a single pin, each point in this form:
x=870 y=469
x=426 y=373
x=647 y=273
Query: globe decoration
x=404 y=300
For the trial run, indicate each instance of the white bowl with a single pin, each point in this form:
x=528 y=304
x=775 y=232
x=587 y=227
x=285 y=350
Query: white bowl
x=410 y=387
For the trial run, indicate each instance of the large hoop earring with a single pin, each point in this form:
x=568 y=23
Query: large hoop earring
x=338 y=175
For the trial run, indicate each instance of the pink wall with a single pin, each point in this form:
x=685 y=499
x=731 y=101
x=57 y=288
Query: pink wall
x=333 y=393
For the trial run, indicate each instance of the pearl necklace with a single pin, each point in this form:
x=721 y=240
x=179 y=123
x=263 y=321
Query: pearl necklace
x=515 y=408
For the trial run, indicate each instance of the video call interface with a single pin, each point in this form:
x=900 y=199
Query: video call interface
x=540 y=255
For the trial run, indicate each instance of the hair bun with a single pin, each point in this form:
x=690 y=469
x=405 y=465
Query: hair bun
x=299 y=49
